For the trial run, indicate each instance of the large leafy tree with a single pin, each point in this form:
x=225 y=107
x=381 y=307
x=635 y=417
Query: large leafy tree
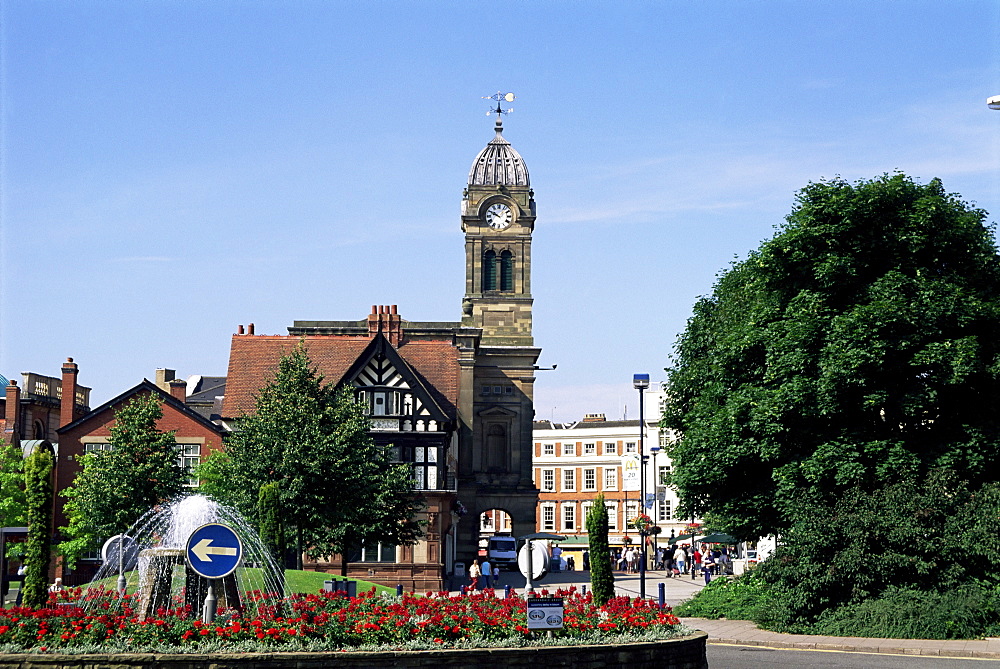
x=116 y=487
x=337 y=489
x=855 y=349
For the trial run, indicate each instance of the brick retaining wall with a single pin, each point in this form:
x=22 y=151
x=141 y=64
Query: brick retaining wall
x=681 y=653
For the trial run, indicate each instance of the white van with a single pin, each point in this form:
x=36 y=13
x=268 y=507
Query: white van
x=502 y=551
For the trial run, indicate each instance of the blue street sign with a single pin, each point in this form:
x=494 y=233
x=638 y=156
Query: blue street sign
x=214 y=550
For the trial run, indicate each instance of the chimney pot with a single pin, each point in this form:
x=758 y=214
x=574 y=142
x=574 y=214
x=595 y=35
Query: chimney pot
x=240 y=329
x=250 y=329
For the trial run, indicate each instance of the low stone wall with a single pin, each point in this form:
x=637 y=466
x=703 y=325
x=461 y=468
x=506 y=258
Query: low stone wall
x=681 y=653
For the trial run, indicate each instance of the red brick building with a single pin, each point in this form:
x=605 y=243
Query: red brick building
x=195 y=436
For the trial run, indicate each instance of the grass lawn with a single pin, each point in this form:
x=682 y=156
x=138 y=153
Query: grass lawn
x=308 y=582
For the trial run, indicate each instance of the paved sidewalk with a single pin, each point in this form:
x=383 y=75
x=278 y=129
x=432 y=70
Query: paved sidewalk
x=745 y=633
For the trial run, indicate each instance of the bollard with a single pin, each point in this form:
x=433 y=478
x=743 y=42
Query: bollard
x=463 y=591
x=399 y=590
x=663 y=595
x=506 y=592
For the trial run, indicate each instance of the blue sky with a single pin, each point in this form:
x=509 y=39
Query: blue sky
x=172 y=169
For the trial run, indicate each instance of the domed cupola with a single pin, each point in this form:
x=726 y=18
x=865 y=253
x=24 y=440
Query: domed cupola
x=499 y=164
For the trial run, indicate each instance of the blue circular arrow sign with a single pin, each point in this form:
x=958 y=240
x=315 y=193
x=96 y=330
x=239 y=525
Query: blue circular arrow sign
x=214 y=550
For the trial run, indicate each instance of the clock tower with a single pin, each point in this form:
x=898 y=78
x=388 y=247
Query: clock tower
x=497 y=389
x=498 y=217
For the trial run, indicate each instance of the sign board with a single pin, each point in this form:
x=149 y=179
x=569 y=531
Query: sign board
x=539 y=559
x=661 y=493
x=214 y=550
x=545 y=613
x=129 y=558
x=650 y=499
x=631 y=472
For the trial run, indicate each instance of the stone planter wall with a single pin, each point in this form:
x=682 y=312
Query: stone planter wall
x=681 y=653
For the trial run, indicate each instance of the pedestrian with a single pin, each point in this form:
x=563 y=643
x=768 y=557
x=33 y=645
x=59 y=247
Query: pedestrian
x=474 y=573
x=57 y=586
x=496 y=576
x=679 y=559
x=586 y=560
x=487 y=570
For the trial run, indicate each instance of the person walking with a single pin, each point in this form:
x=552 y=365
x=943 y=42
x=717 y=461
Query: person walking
x=474 y=573
x=496 y=576
x=679 y=559
x=487 y=570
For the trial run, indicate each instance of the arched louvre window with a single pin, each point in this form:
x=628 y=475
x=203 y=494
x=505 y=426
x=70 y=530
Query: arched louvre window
x=490 y=270
x=507 y=271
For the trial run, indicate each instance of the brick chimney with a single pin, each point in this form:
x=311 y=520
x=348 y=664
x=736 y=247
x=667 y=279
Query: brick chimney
x=12 y=412
x=178 y=389
x=384 y=319
x=67 y=405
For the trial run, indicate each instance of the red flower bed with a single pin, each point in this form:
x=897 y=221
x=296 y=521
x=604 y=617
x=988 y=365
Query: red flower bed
x=323 y=619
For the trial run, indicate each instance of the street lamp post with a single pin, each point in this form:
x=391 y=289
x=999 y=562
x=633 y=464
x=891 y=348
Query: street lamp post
x=640 y=382
x=655 y=450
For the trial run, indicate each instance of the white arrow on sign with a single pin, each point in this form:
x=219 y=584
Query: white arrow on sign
x=204 y=550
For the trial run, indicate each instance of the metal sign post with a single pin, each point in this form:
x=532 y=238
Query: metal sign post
x=213 y=552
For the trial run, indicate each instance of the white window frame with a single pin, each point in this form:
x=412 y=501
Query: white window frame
x=663 y=512
x=631 y=447
x=548 y=523
x=568 y=517
x=569 y=448
x=548 y=480
x=612 y=516
x=548 y=449
x=569 y=479
x=590 y=478
x=611 y=478
x=610 y=448
x=590 y=448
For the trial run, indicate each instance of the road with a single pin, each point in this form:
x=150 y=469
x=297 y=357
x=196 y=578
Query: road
x=754 y=657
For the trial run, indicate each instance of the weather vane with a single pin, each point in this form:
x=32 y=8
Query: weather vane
x=500 y=97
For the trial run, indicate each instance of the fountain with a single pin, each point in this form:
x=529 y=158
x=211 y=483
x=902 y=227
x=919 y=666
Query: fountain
x=162 y=578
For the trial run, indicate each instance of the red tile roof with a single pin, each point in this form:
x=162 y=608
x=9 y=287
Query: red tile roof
x=253 y=361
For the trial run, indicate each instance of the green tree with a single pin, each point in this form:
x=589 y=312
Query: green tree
x=116 y=487
x=38 y=549
x=602 y=579
x=855 y=349
x=12 y=500
x=337 y=489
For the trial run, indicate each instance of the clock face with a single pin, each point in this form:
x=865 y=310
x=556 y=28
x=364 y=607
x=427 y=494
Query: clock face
x=499 y=216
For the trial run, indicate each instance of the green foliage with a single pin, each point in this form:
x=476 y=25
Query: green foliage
x=12 y=500
x=969 y=612
x=271 y=531
x=934 y=536
x=737 y=599
x=602 y=579
x=337 y=489
x=855 y=349
x=116 y=487
x=38 y=549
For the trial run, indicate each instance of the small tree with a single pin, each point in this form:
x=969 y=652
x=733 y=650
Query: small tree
x=38 y=549
x=117 y=487
x=12 y=500
x=271 y=530
x=602 y=579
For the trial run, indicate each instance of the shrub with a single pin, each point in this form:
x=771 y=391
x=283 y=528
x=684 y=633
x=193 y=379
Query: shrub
x=738 y=599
